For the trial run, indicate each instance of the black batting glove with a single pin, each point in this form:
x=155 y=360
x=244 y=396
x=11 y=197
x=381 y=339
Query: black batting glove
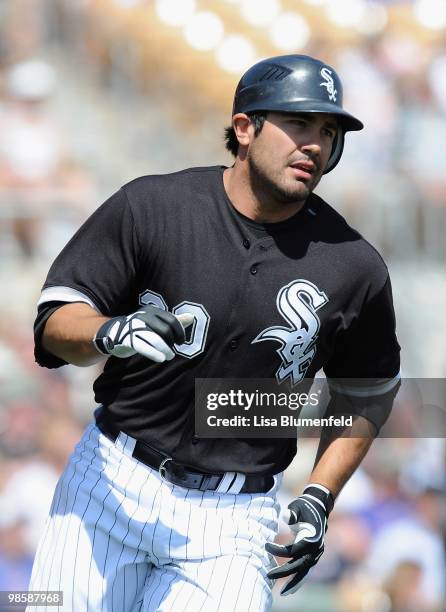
x=307 y=517
x=150 y=331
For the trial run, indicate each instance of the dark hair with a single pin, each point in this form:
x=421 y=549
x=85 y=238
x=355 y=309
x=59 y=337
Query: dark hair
x=257 y=118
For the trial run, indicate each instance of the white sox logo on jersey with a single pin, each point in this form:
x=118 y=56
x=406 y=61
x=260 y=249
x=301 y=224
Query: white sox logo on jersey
x=297 y=302
x=329 y=83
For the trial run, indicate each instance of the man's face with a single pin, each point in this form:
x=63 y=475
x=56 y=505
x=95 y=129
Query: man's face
x=288 y=157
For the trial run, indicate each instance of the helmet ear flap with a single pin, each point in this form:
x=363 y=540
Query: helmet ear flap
x=336 y=151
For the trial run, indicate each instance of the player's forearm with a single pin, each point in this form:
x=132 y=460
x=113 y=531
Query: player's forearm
x=69 y=334
x=338 y=457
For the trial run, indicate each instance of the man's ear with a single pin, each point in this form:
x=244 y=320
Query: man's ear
x=243 y=128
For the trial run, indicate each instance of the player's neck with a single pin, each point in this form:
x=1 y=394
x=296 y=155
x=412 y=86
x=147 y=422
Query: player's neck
x=260 y=209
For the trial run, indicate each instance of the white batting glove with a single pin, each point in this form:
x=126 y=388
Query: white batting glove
x=150 y=331
x=307 y=518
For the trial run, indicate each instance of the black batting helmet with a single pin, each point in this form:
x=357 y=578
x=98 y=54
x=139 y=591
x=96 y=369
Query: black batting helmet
x=296 y=84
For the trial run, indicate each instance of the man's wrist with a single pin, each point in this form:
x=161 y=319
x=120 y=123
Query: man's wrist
x=322 y=493
x=101 y=341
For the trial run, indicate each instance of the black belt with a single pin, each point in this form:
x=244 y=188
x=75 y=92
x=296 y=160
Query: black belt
x=178 y=474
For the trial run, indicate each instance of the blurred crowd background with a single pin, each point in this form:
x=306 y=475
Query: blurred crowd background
x=96 y=92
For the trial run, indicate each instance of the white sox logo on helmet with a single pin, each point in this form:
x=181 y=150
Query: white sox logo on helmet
x=297 y=302
x=329 y=83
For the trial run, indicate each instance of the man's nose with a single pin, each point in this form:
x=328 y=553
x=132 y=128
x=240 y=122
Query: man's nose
x=312 y=146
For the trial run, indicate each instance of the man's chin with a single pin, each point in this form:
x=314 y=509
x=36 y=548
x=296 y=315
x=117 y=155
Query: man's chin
x=298 y=192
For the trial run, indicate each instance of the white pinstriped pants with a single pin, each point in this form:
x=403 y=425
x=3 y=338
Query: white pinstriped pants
x=121 y=539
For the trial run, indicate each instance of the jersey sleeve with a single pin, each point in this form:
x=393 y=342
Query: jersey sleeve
x=98 y=266
x=364 y=371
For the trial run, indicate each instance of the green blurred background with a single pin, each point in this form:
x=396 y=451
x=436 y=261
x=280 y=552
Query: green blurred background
x=96 y=92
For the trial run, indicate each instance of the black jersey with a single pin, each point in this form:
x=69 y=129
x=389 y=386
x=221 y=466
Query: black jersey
x=177 y=242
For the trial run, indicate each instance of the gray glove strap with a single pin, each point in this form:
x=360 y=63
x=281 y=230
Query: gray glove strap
x=102 y=342
x=322 y=494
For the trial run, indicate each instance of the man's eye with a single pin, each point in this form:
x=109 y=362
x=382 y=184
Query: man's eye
x=330 y=133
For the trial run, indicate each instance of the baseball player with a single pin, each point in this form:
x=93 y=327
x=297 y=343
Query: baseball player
x=239 y=272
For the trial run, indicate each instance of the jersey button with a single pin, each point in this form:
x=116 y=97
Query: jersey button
x=253 y=270
x=233 y=344
x=246 y=243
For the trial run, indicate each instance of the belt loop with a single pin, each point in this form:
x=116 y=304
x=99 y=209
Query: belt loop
x=205 y=482
x=225 y=482
x=232 y=482
x=238 y=483
x=125 y=443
